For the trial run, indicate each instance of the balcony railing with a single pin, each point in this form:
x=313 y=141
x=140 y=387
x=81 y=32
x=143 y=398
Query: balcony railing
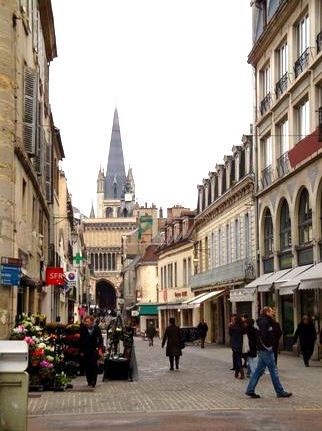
x=281 y=85
x=283 y=166
x=240 y=270
x=265 y=104
x=319 y=42
x=267 y=176
x=302 y=62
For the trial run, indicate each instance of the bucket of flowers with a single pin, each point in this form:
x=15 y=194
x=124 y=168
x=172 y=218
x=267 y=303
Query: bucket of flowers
x=61 y=382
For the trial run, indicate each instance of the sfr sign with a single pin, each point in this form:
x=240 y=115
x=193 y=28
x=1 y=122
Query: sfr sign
x=55 y=276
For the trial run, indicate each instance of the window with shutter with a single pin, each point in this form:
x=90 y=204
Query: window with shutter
x=38 y=160
x=30 y=110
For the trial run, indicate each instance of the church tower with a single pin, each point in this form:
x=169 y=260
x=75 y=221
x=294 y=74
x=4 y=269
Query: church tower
x=100 y=193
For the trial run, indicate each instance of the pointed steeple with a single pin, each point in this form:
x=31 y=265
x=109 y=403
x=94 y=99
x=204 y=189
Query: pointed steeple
x=92 y=214
x=115 y=178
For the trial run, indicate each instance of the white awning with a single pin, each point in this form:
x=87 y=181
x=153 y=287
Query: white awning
x=266 y=284
x=287 y=291
x=188 y=301
x=205 y=297
x=290 y=279
x=258 y=280
x=312 y=278
x=242 y=295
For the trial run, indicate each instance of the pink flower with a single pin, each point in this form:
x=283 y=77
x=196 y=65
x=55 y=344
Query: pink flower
x=29 y=340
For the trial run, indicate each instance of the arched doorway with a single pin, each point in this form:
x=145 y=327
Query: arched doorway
x=105 y=295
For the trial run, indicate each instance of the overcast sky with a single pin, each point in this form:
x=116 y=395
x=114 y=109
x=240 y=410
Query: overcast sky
x=176 y=70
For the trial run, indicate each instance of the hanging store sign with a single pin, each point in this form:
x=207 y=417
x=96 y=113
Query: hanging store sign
x=55 y=276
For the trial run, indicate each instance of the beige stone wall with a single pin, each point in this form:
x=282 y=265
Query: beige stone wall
x=146 y=283
x=19 y=215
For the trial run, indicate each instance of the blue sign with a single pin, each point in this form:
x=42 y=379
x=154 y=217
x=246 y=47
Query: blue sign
x=10 y=275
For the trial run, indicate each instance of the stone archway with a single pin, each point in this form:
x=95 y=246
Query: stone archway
x=105 y=295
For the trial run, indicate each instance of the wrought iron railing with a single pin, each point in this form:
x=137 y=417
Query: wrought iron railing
x=240 y=270
x=281 y=85
x=265 y=104
x=267 y=176
x=319 y=42
x=283 y=166
x=302 y=62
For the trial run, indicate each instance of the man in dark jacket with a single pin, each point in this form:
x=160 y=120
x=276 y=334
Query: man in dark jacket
x=307 y=334
x=172 y=337
x=91 y=346
x=150 y=333
x=202 y=330
x=266 y=356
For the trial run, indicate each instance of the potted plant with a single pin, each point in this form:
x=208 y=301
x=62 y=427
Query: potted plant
x=61 y=382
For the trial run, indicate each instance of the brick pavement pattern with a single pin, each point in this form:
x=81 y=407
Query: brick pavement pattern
x=203 y=383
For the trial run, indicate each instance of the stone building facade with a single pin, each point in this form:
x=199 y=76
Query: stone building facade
x=27 y=46
x=287 y=64
x=225 y=242
x=104 y=234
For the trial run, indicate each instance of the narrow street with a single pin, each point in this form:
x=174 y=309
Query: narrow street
x=202 y=395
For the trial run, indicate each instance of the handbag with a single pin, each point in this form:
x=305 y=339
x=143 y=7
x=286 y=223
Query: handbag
x=245 y=348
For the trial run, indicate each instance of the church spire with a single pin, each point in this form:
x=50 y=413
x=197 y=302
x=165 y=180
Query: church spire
x=92 y=214
x=115 y=173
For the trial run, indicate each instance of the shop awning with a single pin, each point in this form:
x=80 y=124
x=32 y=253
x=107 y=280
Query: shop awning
x=312 y=278
x=266 y=284
x=188 y=303
x=206 y=297
x=258 y=280
x=242 y=295
x=291 y=280
x=148 y=310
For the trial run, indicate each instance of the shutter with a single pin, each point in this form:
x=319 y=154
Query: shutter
x=48 y=174
x=30 y=108
x=38 y=162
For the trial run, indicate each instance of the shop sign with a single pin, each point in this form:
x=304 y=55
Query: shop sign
x=55 y=276
x=71 y=278
x=134 y=313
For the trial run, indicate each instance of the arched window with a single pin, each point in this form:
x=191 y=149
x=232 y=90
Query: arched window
x=305 y=219
x=109 y=212
x=285 y=227
x=268 y=233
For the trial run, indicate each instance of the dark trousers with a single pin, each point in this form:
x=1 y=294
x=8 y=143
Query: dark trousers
x=172 y=359
x=202 y=342
x=150 y=341
x=237 y=360
x=91 y=369
x=307 y=353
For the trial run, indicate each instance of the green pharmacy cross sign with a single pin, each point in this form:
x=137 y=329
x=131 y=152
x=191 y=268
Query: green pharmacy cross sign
x=78 y=258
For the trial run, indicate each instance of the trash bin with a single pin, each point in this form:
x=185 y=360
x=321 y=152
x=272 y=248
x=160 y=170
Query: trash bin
x=13 y=385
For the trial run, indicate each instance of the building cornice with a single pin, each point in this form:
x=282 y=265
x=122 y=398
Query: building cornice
x=243 y=188
x=48 y=28
x=272 y=29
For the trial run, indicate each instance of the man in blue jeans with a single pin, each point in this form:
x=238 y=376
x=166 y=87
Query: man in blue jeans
x=266 y=356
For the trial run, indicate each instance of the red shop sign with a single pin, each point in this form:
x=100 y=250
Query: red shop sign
x=55 y=276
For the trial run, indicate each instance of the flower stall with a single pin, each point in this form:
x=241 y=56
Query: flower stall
x=53 y=352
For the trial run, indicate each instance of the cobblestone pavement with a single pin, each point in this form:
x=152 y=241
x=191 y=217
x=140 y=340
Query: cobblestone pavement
x=203 y=383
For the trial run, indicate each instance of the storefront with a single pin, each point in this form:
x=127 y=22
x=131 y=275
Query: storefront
x=244 y=301
x=148 y=313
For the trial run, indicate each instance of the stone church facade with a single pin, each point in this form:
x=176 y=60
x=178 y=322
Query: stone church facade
x=104 y=233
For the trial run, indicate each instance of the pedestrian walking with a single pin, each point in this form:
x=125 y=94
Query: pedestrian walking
x=236 y=332
x=91 y=348
x=172 y=338
x=277 y=335
x=252 y=334
x=266 y=356
x=232 y=321
x=151 y=332
x=306 y=333
x=202 y=330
